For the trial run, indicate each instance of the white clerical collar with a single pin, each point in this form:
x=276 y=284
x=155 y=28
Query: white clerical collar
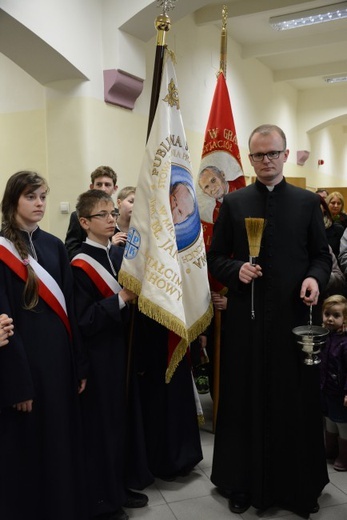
x=270 y=188
x=96 y=244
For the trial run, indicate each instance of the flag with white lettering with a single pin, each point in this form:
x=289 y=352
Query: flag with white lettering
x=220 y=169
x=164 y=260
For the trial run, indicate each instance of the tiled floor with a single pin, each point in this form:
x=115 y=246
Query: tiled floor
x=195 y=498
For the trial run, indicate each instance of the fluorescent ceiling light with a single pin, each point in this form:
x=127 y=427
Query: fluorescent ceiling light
x=336 y=79
x=322 y=14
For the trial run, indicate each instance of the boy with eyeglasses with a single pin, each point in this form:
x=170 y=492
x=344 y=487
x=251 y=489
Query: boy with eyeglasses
x=102 y=313
x=103 y=178
x=269 y=448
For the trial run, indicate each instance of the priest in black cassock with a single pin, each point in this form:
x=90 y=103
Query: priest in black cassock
x=269 y=448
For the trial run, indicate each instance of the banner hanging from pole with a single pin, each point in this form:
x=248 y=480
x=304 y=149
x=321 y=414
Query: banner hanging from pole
x=164 y=261
x=220 y=169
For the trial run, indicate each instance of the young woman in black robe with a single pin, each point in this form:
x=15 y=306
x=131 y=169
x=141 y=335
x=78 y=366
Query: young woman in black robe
x=41 y=470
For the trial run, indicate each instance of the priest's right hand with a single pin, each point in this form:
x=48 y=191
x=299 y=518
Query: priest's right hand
x=249 y=272
x=24 y=406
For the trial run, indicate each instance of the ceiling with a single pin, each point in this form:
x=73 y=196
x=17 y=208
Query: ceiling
x=32 y=54
x=302 y=57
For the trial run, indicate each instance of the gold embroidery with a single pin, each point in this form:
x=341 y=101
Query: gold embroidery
x=172 y=98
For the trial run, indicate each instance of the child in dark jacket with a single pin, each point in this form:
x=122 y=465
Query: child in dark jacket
x=334 y=380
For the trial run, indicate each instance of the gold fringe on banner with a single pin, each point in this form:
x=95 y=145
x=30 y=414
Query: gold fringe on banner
x=201 y=420
x=130 y=282
x=198 y=328
x=168 y=320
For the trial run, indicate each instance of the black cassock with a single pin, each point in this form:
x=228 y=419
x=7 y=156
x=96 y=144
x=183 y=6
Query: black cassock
x=169 y=410
x=41 y=471
x=269 y=433
x=112 y=420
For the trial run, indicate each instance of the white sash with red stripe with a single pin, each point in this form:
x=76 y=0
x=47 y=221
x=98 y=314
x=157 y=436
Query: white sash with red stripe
x=103 y=280
x=49 y=290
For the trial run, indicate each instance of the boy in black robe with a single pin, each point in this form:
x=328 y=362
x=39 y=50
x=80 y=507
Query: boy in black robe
x=102 y=312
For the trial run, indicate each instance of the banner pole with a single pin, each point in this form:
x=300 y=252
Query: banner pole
x=217 y=317
x=224 y=42
x=162 y=24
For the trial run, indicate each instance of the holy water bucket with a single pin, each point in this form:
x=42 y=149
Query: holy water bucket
x=311 y=338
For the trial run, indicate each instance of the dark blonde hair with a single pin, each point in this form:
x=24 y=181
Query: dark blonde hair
x=125 y=192
x=20 y=183
x=327 y=217
x=336 y=299
x=338 y=195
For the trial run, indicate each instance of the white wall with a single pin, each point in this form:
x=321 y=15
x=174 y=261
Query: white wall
x=72 y=27
x=321 y=115
x=65 y=130
x=330 y=145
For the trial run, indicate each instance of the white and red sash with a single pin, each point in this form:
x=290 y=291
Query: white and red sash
x=104 y=281
x=48 y=288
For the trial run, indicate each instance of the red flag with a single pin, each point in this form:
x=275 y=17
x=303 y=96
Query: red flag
x=220 y=169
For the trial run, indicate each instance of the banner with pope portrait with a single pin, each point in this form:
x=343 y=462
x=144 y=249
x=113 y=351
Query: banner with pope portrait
x=220 y=169
x=165 y=259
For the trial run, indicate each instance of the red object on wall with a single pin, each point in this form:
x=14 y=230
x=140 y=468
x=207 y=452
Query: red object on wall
x=320 y=162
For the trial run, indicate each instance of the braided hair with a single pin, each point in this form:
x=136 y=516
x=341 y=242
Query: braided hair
x=22 y=182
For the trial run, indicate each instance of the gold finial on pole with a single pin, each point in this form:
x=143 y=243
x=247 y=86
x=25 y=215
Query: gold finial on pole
x=223 y=43
x=162 y=24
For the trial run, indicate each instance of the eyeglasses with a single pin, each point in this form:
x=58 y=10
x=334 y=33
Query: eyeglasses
x=103 y=214
x=258 y=157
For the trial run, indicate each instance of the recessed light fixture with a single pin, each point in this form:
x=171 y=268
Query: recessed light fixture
x=336 y=79
x=326 y=13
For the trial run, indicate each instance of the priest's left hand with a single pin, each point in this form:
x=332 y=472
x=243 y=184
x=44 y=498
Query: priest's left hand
x=309 y=291
x=82 y=385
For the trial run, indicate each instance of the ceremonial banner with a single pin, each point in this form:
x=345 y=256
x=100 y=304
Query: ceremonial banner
x=220 y=169
x=164 y=260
